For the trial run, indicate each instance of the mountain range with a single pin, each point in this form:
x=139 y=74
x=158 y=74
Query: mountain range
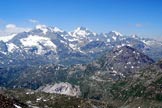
x=94 y=70
x=51 y=45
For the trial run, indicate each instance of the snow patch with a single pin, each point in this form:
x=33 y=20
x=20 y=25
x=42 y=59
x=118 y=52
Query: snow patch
x=132 y=67
x=17 y=106
x=7 y=38
x=42 y=27
x=129 y=62
x=11 y=47
x=120 y=51
x=38 y=42
x=114 y=38
x=118 y=46
x=38 y=99
x=108 y=40
x=73 y=46
x=114 y=71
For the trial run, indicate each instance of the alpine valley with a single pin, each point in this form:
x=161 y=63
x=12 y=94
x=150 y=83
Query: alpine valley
x=48 y=67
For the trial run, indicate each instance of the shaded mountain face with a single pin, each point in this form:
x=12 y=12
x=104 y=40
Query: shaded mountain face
x=126 y=57
x=46 y=45
x=145 y=84
x=121 y=62
x=114 y=65
x=32 y=77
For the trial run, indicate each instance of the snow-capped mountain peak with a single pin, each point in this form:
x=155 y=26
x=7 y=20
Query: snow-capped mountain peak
x=134 y=36
x=56 y=29
x=81 y=31
x=81 y=28
x=46 y=29
x=115 y=33
x=42 y=27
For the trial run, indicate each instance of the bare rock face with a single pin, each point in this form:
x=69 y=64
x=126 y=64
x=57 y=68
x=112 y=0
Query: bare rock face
x=61 y=88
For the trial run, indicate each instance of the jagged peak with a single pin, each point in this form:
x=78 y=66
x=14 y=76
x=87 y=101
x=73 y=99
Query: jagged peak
x=81 y=28
x=126 y=48
x=134 y=36
x=45 y=28
x=81 y=31
x=56 y=29
x=42 y=27
x=115 y=33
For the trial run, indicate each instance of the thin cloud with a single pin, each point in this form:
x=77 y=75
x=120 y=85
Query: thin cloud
x=12 y=29
x=10 y=26
x=33 y=21
x=1 y=21
x=138 y=25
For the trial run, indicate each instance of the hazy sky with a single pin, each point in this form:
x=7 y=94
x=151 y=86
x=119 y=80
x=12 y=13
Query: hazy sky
x=142 y=17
